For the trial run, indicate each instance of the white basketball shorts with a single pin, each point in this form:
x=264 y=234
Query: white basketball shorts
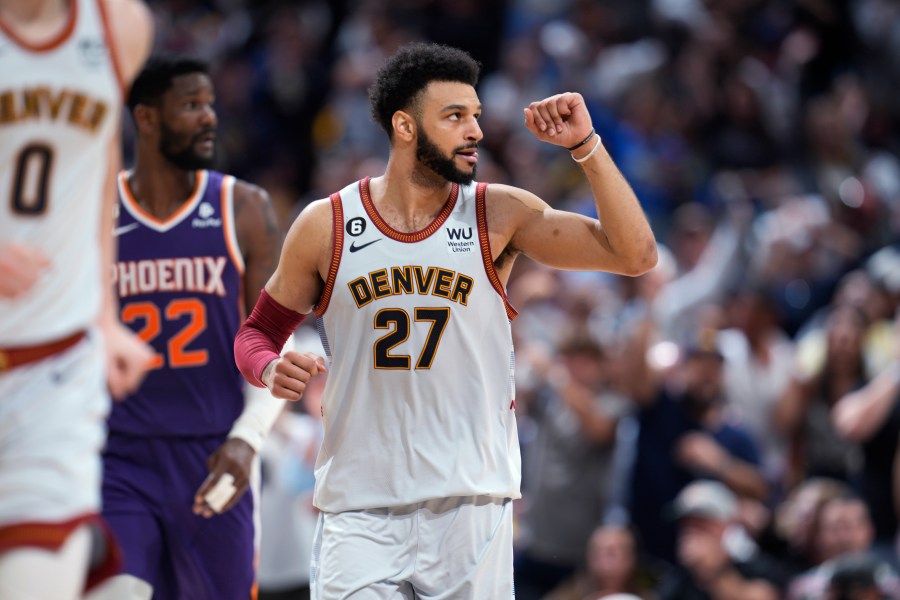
x=52 y=430
x=459 y=548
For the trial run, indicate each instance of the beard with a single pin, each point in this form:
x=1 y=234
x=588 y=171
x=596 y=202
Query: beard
x=430 y=155
x=183 y=157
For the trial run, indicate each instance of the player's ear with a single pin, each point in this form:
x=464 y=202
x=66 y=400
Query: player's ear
x=404 y=126
x=145 y=118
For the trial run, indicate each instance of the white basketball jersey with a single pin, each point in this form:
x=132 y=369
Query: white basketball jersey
x=59 y=109
x=419 y=402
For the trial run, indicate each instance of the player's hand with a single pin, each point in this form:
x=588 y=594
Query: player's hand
x=562 y=119
x=228 y=479
x=20 y=268
x=287 y=377
x=127 y=359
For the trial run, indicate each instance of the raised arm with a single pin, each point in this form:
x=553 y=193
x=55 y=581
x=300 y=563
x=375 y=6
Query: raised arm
x=859 y=415
x=621 y=241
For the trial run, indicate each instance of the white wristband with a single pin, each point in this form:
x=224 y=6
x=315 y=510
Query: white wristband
x=589 y=154
x=261 y=409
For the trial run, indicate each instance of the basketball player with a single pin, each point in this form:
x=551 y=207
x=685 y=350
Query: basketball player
x=63 y=67
x=195 y=246
x=406 y=273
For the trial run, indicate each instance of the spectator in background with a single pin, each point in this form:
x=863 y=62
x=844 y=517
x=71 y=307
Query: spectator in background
x=862 y=577
x=758 y=357
x=716 y=557
x=683 y=435
x=796 y=521
x=614 y=568
x=870 y=416
x=804 y=411
x=844 y=529
x=567 y=468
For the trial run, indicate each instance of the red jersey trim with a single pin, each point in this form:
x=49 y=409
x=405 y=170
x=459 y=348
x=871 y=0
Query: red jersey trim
x=487 y=256
x=408 y=238
x=50 y=536
x=337 y=250
x=52 y=43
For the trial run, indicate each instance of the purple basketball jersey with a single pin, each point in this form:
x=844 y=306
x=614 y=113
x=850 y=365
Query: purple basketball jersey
x=179 y=284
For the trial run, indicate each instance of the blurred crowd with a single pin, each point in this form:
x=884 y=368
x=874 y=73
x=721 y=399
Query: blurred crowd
x=725 y=426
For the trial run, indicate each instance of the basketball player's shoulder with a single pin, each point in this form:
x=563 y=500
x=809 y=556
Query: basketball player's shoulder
x=251 y=195
x=130 y=25
x=313 y=228
x=316 y=220
x=504 y=195
x=254 y=215
x=506 y=204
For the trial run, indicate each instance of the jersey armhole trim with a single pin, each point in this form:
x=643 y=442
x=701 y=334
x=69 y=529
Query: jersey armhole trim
x=486 y=254
x=337 y=250
x=111 y=45
x=228 y=222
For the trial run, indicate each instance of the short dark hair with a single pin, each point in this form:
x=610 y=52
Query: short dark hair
x=156 y=77
x=403 y=76
x=581 y=343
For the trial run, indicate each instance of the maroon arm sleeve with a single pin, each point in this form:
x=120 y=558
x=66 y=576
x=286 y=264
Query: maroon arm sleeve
x=262 y=336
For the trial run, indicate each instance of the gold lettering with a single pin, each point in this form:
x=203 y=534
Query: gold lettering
x=424 y=280
x=402 y=279
x=7 y=107
x=96 y=119
x=31 y=105
x=362 y=293
x=76 y=109
x=54 y=102
x=461 y=290
x=442 y=283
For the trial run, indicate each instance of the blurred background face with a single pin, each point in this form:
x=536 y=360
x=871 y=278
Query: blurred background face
x=845 y=331
x=611 y=555
x=703 y=381
x=586 y=369
x=187 y=131
x=844 y=527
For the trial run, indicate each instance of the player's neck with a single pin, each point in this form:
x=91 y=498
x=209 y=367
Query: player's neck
x=35 y=20
x=407 y=205
x=160 y=187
